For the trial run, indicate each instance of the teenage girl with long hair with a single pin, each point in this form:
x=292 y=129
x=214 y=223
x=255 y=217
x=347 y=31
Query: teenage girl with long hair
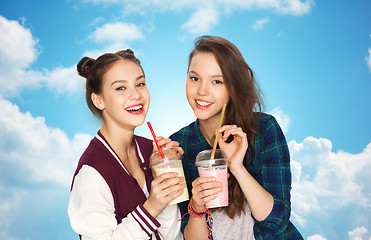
x=258 y=162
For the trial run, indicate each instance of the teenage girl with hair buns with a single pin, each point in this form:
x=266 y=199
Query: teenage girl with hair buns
x=113 y=194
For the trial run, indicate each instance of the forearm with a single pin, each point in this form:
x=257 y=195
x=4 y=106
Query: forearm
x=260 y=201
x=196 y=229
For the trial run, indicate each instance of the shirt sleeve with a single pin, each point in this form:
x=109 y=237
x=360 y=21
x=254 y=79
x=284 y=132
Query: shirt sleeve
x=276 y=177
x=170 y=222
x=92 y=212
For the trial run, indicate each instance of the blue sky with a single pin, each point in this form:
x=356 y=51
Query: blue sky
x=312 y=60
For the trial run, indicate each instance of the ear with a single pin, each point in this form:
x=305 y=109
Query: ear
x=97 y=101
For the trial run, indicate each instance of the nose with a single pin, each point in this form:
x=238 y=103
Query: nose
x=134 y=94
x=202 y=89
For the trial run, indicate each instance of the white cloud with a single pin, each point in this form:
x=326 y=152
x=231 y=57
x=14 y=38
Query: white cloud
x=64 y=80
x=324 y=181
x=37 y=164
x=202 y=21
x=115 y=36
x=316 y=237
x=209 y=12
x=17 y=45
x=18 y=50
x=259 y=24
x=294 y=7
x=282 y=118
x=368 y=59
x=33 y=153
x=358 y=234
x=117 y=32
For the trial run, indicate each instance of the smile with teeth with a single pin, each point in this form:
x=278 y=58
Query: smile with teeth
x=136 y=108
x=203 y=103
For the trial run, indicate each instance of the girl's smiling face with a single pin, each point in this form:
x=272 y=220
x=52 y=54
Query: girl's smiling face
x=205 y=88
x=125 y=98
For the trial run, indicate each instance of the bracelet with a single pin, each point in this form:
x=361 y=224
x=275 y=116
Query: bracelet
x=200 y=214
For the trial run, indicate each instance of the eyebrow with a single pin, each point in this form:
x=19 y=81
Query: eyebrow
x=125 y=81
x=217 y=75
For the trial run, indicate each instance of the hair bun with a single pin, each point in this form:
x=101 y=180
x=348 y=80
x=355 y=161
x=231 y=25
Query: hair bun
x=84 y=66
x=126 y=53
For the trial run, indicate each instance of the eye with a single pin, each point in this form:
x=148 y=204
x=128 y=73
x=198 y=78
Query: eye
x=121 y=88
x=141 y=84
x=217 y=82
x=196 y=79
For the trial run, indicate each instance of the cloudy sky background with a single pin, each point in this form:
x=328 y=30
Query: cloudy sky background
x=312 y=60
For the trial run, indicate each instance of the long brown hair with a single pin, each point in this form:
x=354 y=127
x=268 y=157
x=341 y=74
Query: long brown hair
x=245 y=99
x=94 y=71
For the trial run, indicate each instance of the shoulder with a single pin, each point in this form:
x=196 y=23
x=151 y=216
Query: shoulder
x=183 y=133
x=269 y=131
x=93 y=153
x=266 y=123
x=98 y=157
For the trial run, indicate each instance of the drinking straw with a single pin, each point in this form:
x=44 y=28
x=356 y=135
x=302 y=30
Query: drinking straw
x=154 y=137
x=217 y=134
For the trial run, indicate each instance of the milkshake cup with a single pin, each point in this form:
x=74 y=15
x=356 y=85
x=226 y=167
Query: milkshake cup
x=217 y=168
x=171 y=163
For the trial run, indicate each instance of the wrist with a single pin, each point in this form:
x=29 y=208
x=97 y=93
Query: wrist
x=196 y=212
x=151 y=208
x=238 y=170
x=197 y=207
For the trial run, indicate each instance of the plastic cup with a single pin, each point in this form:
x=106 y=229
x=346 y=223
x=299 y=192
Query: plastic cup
x=217 y=168
x=171 y=163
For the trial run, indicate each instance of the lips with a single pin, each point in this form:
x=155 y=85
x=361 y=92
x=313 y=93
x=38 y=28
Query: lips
x=135 y=109
x=201 y=104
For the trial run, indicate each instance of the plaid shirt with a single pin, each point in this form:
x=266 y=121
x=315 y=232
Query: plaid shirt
x=270 y=167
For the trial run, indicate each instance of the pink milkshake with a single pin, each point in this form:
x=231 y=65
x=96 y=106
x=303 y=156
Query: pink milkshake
x=217 y=168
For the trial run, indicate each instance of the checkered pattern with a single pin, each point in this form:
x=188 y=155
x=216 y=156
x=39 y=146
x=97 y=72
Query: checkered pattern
x=270 y=167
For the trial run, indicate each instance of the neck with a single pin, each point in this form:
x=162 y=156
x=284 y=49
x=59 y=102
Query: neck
x=119 y=138
x=208 y=128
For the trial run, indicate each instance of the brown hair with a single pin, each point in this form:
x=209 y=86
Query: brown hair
x=245 y=99
x=94 y=71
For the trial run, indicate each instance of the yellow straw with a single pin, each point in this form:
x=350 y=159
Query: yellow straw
x=217 y=134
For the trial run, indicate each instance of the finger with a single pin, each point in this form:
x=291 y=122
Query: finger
x=180 y=150
x=209 y=198
x=172 y=189
x=236 y=132
x=201 y=180
x=172 y=144
x=164 y=176
x=224 y=131
x=168 y=182
x=207 y=192
x=162 y=188
x=163 y=141
x=159 y=138
x=224 y=127
x=176 y=194
x=206 y=188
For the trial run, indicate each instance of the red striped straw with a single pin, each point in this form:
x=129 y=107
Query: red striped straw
x=154 y=137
